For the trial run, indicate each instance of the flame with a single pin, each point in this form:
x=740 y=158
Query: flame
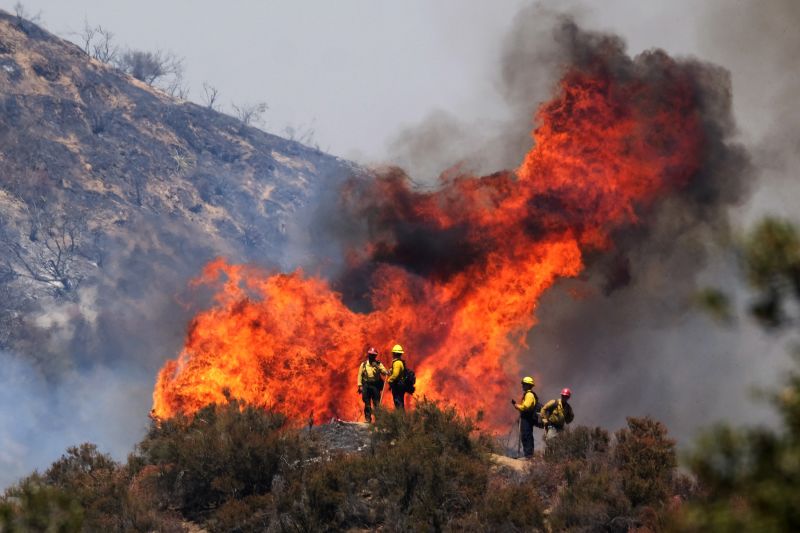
x=455 y=274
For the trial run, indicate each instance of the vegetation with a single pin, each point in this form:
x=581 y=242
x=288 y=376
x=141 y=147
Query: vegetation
x=222 y=454
x=750 y=478
x=235 y=468
x=772 y=264
x=596 y=482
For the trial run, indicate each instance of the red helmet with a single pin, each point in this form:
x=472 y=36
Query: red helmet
x=372 y=351
x=566 y=392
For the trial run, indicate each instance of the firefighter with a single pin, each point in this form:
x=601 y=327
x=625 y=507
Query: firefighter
x=370 y=382
x=396 y=384
x=556 y=414
x=527 y=415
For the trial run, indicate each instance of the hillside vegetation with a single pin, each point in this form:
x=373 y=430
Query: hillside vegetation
x=234 y=468
x=237 y=468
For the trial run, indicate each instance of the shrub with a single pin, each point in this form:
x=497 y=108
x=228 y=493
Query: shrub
x=85 y=490
x=435 y=470
x=34 y=506
x=610 y=486
x=510 y=507
x=443 y=426
x=95 y=480
x=149 y=67
x=248 y=514
x=231 y=467
x=580 y=442
x=223 y=452
x=646 y=460
x=592 y=499
x=425 y=469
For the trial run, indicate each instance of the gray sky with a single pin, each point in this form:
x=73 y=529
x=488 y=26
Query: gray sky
x=356 y=71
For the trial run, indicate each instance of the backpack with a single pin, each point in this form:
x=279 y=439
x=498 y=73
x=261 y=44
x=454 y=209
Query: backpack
x=408 y=380
x=535 y=412
x=537 y=408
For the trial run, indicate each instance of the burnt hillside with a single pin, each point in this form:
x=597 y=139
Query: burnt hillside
x=112 y=196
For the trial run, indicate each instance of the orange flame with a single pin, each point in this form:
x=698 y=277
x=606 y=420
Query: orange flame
x=604 y=151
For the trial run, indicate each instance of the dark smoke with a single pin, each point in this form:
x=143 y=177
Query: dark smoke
x=396 y=221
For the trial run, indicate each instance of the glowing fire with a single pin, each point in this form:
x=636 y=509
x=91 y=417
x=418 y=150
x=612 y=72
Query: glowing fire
x=604 y=150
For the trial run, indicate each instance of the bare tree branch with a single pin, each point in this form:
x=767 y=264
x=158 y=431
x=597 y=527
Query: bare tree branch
x=103 y=48
x=86 y=35
x=250 y=114
x=98 y=42
x=177 y=88
x=210 y=95
x=51 y=257
x=22 y=13
x=302 y=134
x=150 y=67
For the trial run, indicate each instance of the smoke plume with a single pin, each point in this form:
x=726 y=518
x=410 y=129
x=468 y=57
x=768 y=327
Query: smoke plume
x=626 y=334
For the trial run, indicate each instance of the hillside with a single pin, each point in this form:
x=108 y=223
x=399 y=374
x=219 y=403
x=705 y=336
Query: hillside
x=112 y=194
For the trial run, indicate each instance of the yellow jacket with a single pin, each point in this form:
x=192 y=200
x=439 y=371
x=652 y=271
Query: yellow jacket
x=557 y=413
x=528 y=402
x=398 y=368
x=371 y=372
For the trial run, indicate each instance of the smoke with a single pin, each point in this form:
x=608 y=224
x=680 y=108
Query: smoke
x=39 y=419
x=632 y=343
x=677 y=228
x=626 y=335
x=644 y=349
x=532 y=61
x=760 y=44
x=83 y=365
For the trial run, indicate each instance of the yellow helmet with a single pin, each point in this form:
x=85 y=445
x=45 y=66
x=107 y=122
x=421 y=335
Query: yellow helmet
x=527 y=380
x=397 y=349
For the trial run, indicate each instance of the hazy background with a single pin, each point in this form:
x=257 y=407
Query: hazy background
x=367 y=76
x=358 y=72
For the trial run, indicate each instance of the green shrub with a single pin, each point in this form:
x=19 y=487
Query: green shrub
x=443 y=427
x=425 y=469
x=241 y=469
x=84 y=490
x=222 y=453
x=619 y=485
x=248 y=514
x=96 y=481
x=32 y=505
x=749 y=479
